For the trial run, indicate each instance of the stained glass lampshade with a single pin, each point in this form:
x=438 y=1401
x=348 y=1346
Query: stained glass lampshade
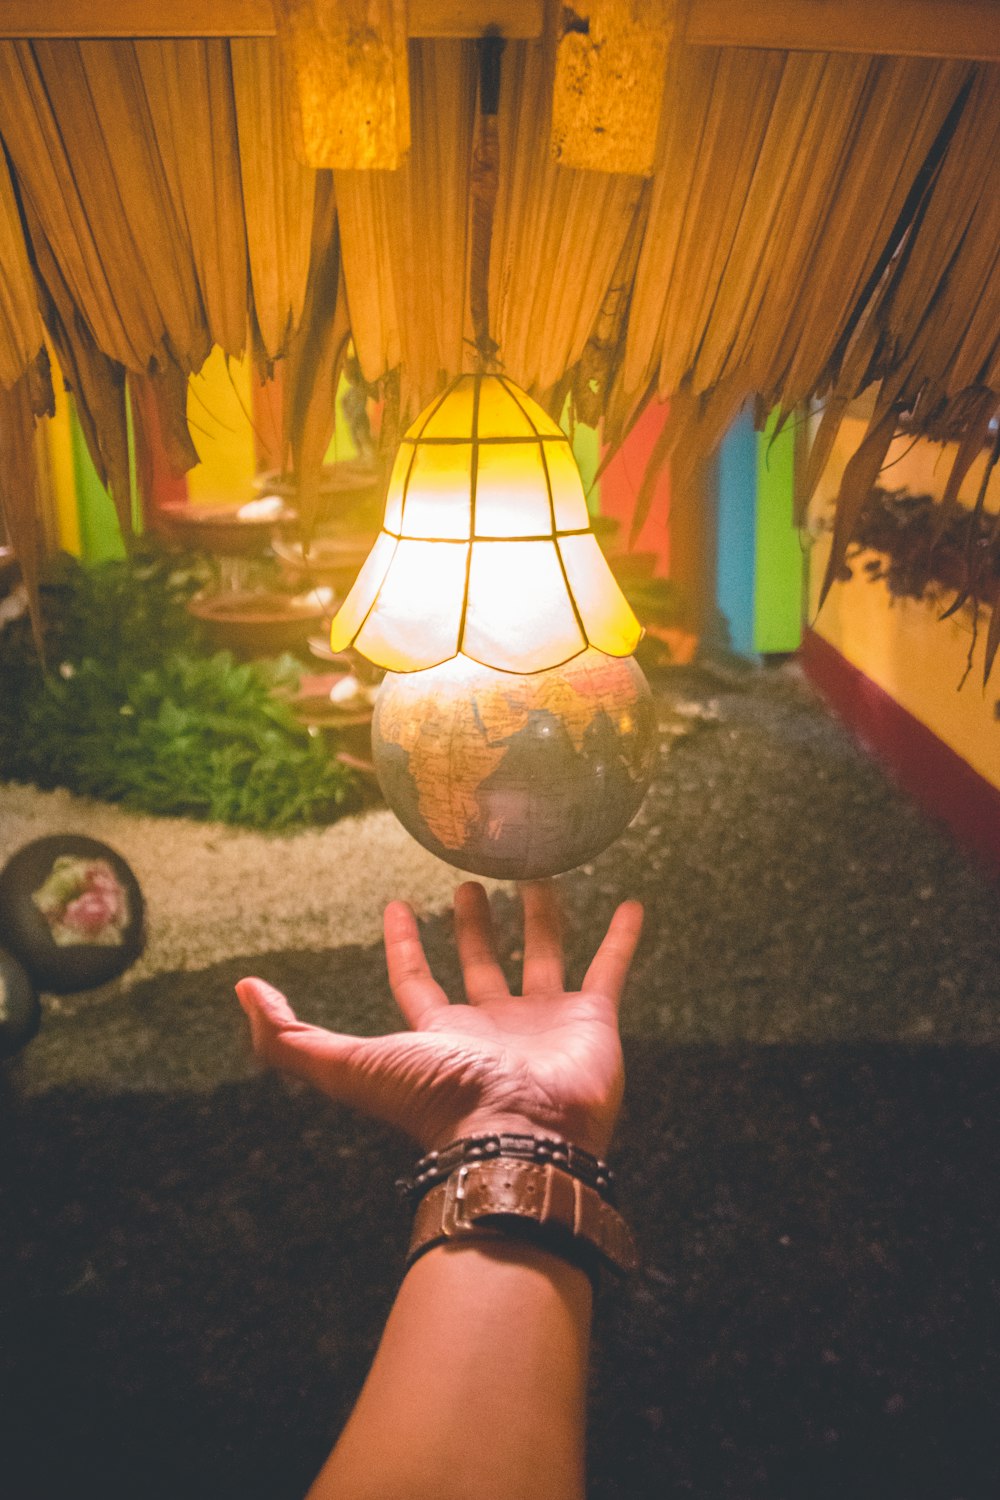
x=486 y=547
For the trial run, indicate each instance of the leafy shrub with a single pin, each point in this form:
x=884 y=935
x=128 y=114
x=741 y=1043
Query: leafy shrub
x=133 y=709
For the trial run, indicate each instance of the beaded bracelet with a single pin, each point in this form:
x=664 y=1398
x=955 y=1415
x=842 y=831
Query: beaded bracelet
x=436 y=1166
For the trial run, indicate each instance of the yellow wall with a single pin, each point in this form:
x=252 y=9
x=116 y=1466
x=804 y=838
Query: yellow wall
x=56 y=473
x=900 y=644
x=219 y=408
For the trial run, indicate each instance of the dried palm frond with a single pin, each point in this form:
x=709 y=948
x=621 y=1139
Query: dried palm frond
x=189 y=93
x=278 y=194
x=558 y=235
x=404 y=234
x=20 y=325
x=75 y=119
x=97 y=382
x=18 y=491
x=316 y=358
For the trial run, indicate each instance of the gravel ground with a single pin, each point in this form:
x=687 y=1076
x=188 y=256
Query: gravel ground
x=808 y=1154
x=292 y=890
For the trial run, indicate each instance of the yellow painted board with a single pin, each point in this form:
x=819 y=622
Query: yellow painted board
x=219 y=408
x=58 y=438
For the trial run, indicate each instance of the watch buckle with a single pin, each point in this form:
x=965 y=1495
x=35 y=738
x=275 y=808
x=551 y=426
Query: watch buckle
x=453 y=1219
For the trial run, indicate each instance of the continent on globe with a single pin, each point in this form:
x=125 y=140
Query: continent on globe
x=516 y=776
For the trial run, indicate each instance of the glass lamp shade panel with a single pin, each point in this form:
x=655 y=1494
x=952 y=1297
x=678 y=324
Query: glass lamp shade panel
x=500 y=415
x=437 y=500
x=419 y=607
x=519 y=616
x=606 y=613
x=477 y=554
x=351 y=615
x=512 y=492
x=569 y=504
x=392 y=520
x=450 y=416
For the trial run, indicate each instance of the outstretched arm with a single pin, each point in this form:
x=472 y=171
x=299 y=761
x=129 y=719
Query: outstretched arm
x=478 y=1387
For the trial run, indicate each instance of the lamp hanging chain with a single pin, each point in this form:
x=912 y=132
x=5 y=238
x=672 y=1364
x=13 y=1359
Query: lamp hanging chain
x=483 y=188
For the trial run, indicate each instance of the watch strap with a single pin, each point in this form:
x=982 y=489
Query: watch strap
x=492 y=1199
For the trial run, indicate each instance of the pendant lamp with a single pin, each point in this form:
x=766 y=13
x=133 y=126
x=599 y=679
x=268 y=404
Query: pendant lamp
x=514 y=735
x=486 y=548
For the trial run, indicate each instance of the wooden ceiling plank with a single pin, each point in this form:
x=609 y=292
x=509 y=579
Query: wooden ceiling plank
x=906 y=28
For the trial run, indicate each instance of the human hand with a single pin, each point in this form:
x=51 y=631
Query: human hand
x=546 y=1062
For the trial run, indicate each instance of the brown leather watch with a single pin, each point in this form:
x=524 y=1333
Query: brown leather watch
x=505 y=1197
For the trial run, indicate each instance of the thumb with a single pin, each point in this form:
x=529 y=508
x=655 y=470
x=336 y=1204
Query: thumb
x=266 y=1009
x=326 y=1059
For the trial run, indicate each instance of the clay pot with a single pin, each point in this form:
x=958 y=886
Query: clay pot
x=257 y=624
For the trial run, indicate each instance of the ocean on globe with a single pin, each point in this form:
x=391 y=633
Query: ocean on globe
x=516 y=776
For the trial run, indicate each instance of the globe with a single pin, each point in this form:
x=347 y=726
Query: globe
x=516 y=777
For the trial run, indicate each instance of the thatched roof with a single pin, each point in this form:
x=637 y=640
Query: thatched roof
x=815 y=223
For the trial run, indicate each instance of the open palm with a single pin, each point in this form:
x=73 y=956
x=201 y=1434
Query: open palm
x=544 y=1061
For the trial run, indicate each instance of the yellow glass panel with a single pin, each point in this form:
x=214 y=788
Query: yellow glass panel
x=606 y=613
x=512 y=497
x=453 y=418
x=519 y=616
x=499 y=413
x=419 y=423
x=438 y=496
x=359 y=601
x=537 y=415
x=394 y=495
x=416 y=618
x=567 y=488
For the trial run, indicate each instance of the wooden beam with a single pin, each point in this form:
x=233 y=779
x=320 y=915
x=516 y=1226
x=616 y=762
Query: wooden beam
x=511 y=18
x=902 y=28
x=906 y=28
x=110 y=18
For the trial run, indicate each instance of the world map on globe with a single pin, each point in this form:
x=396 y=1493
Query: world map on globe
x=511 y=776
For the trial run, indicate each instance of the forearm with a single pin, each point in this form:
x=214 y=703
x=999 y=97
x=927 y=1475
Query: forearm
x=478 y=1387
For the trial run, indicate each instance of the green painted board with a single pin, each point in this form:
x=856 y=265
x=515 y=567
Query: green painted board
x=586 y=443
x=100 y=534
x=778 y=558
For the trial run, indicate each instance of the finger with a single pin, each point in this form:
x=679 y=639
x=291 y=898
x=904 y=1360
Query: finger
x=543 y=948
x=323 y=1058
x=266 y=1009
x=417 y=992
x=481 y=972
x=610 y=967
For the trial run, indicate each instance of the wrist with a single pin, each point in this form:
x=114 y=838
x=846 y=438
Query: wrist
x=503 y=1196
x=586 y=1133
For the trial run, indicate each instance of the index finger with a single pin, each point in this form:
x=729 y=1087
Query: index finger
x=417 y=992
x=610 y=966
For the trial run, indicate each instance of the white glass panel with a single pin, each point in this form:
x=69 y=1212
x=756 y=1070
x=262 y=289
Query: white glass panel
x=519 y=617
x=394 y=495
x=499 y=413
x=607 y=616
x=438 y=495
x=453 y=418
x=359 y=601
x=512 y=497
x=416 y=618
x=567 y=488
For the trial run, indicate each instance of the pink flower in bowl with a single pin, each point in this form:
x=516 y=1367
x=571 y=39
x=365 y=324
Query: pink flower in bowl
x=91 y=911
